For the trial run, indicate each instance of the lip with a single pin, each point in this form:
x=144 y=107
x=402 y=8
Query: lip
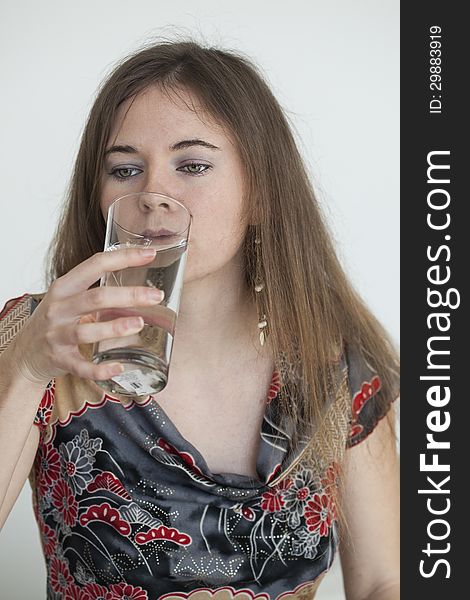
x=152 y=233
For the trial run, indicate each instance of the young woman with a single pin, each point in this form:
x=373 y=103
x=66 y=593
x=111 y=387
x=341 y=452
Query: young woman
x=268 y=449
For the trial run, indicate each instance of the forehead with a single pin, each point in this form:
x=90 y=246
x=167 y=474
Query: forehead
x=166 y=112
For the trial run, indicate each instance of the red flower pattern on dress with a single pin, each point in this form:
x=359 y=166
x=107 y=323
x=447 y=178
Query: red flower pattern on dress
x=49 y=467
x=331 y=476
x=108 y=481
x=49 y=540
x=274 y=473
x=60 y=575
x=330 y=485
x=367 y=391
x=272 y=501
x=164 y=533
x=248 y=513
x=124 y=591
x=188 y=459
x=73 y=592
x=320 y=513
x=106 y=514
x=245 y=511
x=65 y=502
x=227 y=592
x=274 y=387
x=93 y=591
x=45 y=407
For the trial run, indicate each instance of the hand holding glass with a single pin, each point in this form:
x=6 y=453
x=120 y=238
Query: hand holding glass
x=151 y=220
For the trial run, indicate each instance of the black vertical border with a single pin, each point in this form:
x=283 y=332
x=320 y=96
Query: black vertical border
x=421 y=133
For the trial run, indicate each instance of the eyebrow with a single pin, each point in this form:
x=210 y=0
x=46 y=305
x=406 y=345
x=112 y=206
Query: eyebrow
x=195 y=142
x=125 y=149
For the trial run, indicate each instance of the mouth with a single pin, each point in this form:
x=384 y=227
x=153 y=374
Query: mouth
x=152 y=233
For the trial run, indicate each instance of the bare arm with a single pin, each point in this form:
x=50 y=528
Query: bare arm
x=47 y=347
x=19 y=400
x=20 y=474
x=370 y=555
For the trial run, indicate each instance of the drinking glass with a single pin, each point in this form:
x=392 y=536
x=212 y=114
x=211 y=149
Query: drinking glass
x=145 y=219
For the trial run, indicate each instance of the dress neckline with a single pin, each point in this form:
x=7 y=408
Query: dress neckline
x=225 y=477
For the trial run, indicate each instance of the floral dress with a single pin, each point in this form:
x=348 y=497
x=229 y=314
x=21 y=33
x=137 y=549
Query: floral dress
x=128 y=509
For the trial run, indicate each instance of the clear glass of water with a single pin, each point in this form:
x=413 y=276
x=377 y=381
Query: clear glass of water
x=145 y=219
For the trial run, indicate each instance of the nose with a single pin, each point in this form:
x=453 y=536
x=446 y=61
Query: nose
x=159 y=216
x=159 y=181
x=153 y=201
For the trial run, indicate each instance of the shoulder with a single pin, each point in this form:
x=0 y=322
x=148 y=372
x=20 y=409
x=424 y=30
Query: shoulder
x=12 y=318
x=12 y=303
x=26 y=303
x=369 y=400
x=14 y=313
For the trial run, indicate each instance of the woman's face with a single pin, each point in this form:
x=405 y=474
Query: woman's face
x=170 y=150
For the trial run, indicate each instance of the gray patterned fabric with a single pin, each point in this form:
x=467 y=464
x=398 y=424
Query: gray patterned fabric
x=128 y=508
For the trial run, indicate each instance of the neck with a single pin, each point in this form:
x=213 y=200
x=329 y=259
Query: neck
x=216 y=320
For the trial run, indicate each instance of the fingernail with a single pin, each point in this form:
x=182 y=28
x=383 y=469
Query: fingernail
x=135 y=323
x=156 y=295
x=116 y=369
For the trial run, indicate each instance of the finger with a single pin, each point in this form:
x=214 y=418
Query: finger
x=85 y=369
x=106 y=297
x=90 y=270
x=162 y=317
x=88 y=333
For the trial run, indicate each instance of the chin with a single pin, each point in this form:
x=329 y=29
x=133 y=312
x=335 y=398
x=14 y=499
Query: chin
x=191 y=275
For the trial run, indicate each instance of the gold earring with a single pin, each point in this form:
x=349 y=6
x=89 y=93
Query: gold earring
x=259 y=286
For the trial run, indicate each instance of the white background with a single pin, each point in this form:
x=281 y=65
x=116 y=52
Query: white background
x=334 y=67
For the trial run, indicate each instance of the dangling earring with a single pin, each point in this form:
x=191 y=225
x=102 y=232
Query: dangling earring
x=259 y=285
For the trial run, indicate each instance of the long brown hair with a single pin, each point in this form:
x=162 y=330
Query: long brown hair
x=313 y=311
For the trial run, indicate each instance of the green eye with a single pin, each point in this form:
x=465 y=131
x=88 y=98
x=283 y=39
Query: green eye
x=124 y=173
x=195 y=168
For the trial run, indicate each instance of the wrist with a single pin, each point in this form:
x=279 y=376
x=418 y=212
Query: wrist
x=18 y=366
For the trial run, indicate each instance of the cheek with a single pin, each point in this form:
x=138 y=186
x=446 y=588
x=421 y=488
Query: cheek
x=217 y=227
x=104 y=212
x=220 y=212
x=104 y=205
x=215 y=240
x=105 y=200
x=108 y=194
